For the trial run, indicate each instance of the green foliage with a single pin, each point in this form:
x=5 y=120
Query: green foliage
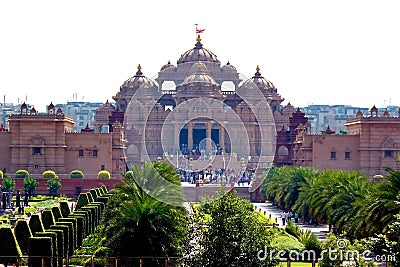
x=22 y=233
x=80 y=228
x=233 y=236
x=40 y=246
x=49 y=174
x=83 y=200
x=104 y=175
x=8 y=185
x=93 y=192
x=48 y=219
x=60 y=244
x=54 y=243
x=77 y=232
x=53 y=186
x=30 y=184
x=66 y=236
x=1 y=174
x=35 y=224
x=78 y=174
x=71 y=235
x=9 y=248
x=65 y=209
x=22 y=174
x=88 y=219
x=56 y=212
x=140 y=219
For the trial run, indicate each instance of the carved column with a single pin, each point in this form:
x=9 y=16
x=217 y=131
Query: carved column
x=208 y=136
x=222 y=137
x=190 y=135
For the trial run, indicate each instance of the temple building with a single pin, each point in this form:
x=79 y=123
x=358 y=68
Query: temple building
x=38 y=142
x=371 y=143
x=203 y=111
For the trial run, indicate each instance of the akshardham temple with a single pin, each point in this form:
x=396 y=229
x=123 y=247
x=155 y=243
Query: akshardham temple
x=200 y=112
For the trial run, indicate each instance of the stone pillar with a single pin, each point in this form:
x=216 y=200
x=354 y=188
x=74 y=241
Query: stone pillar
x=208 y=136
x=222 y=137
x=176 y=137
x=190 y=135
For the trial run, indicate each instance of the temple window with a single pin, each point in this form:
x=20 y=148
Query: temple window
x=347 y=155
x=80 y=153
x=333 y=154
x=37 y=151
x=388 y=154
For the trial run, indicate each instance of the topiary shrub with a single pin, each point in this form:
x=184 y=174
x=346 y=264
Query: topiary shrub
x=56 y=212
x=71 y=235
x=93 y=192
x=22 y=174
x=83 y=200
x=1 y=174
x=103 y=175
x=40 y=246
x=88 y=219
x=9 y=248
x=60 y=244
x=22 y=233
x=75 y=228
x=54 y=243
x=104 y=188
x=81 y=228
x=103 y=199
x=48 y=218
x=64 y=207
x=30 y=184
x=76 y=174
x=35 y=224
x=49 y=174
x=66 y=236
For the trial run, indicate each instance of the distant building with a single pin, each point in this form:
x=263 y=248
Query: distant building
x=38 y=142
x=372 y=142
x=83 y=113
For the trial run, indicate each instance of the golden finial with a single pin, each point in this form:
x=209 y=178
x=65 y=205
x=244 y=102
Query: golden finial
x=198 y=38
x=139 y=67
x=258 y=68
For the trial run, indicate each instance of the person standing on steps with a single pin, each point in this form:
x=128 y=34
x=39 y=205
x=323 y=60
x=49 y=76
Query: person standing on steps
x=283 y=216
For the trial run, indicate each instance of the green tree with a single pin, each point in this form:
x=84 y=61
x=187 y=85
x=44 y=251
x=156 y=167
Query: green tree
x=53 y=186
x=30 y=184
x=8 y=185
x=140 y=219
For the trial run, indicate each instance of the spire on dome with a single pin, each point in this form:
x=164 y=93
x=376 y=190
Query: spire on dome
x=257 y=68
x=198 y=38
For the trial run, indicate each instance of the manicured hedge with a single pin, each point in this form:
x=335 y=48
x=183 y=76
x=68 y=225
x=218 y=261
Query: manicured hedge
x=104 y=175
x=65 y=209
x=1 y=174
x=56 y=212
x=40 y=246
x=88 y=220
x=60 y=244
x=75 y=228
x=49 y=174
x=8 y=246
x=72 y=236
x=48 y=218
x=94 y=194
x=83 y=200
x=80 y=228
x=35 y=224
x=66 y=236
x=54 y=243
x=103 y=199
x=22 y=174
x=22 y=233
x=76 y=174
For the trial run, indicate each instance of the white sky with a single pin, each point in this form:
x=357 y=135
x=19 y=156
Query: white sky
x=315 y=52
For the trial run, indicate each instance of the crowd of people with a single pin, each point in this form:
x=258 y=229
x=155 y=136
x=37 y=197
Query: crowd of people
x=288 y=216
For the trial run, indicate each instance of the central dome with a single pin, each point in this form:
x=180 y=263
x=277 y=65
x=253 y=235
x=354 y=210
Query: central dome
x=199 y=74
x=198 y=53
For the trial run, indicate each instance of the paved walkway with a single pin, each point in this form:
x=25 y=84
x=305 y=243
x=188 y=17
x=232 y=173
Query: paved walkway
x=275 y=214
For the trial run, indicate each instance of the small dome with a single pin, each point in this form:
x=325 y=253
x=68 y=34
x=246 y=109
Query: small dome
x=198 y=53
x=262 y=83
x=166 y=66
x=138 y=80
x=106 y=107
x=229 y=68
x=199 y=74
x=51 y=106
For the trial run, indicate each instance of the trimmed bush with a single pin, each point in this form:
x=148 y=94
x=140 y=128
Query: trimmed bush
x=30 y=184
x=35 y=224
x=22 y=174
x=65 y=209
x=48 y=218
x=90 y=197
x=93 y=192
x=60 y=244
x=83 y=200
x=81 y=227
x=75 y=226
x=22 y=233
x=1 y=174
x=103 y=200
x=76 y=174
x=104 y=188
x=91 y=216
x=95 y=214
x=104 y=175
x=56 y=212
x=66 y=236
x=49 y=174
x=54 y=243
x=88 y=220
x=42 y=247
x=8 y=246
x=72 y=236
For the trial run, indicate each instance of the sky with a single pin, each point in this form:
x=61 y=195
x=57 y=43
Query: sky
x=314 y=51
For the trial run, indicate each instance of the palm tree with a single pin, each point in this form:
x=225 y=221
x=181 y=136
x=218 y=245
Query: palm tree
x=145 y=216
